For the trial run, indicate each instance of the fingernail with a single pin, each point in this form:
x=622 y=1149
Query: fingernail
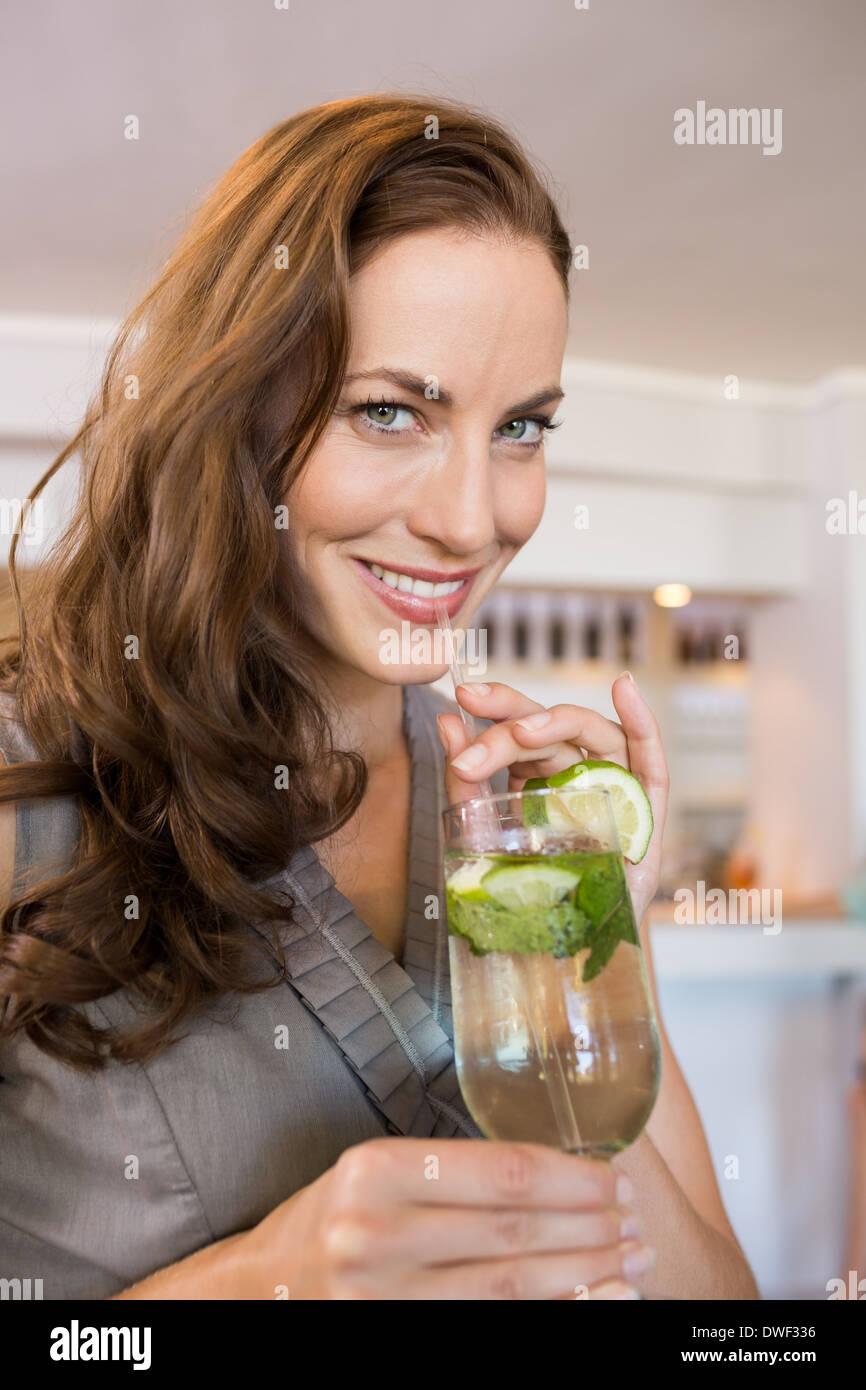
x=626 y=673
x=614 y=1288
x=476 y=688
x=535 y=721
x=638 y=1262
x=630 y=1225
x=624 y=1190
x=469 y=758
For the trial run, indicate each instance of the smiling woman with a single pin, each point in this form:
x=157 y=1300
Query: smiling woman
x=226 y=1034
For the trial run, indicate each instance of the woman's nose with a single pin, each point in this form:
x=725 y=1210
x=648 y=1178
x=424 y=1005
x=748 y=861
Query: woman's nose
x=455 y=502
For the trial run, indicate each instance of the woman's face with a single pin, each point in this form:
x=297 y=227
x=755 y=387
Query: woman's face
x=430 y=475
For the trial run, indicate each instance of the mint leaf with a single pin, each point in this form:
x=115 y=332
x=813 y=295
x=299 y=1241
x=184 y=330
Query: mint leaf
x=569 y=928
x=560 y=930
x=603 y=895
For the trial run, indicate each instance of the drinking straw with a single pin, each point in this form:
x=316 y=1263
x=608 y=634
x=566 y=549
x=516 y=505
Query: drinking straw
x=484 y=817
x=532 y=986
x=530 y=972
x=458 y=677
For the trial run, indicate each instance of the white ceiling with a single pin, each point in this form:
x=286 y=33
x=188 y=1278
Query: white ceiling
x=712 y=259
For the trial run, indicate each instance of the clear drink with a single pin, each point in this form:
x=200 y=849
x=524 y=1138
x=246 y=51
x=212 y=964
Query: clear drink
x=554 y=1028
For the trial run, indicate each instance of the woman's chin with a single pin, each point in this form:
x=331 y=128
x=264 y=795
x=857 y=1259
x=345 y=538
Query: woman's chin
x=408 y=673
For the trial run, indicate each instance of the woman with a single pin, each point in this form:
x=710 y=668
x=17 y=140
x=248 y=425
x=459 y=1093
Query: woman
x=227 y=1050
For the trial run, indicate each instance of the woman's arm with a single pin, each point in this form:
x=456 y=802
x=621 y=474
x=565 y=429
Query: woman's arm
x=220 y=1271
x=855 y=1242
x=695 y=1259
x=672 y=1171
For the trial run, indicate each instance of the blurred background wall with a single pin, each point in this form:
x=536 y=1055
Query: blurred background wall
x=714 y=427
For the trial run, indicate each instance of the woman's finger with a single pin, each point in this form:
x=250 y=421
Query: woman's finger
x=459 y=786
x=479 y=1173
x=647 y=761
x=454 y=738
x=555 y=737
x=494 y=700
x=603 y=738
x=445 y=1235
x=646 y=754
x=543 y=1277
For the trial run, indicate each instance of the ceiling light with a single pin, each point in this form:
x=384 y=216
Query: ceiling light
x=672 y=595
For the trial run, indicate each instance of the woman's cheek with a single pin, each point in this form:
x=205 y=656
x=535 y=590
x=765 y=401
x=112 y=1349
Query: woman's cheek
x=520 y=505
x=339 y=492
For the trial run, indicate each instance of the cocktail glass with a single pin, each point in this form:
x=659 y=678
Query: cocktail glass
x=554 y=1028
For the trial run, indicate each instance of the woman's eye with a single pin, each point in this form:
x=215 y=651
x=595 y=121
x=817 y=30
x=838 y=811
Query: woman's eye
x=525 y=430
x=384 y=415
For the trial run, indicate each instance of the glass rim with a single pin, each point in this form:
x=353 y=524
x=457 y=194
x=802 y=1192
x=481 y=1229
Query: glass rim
x=530 y=791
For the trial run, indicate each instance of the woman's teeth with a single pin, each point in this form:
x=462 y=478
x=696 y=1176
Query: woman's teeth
x=405 y=584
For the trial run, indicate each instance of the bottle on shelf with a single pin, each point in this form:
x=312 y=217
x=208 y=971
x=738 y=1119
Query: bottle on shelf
x=592 y=636
x=520 y=635
x=557 y=632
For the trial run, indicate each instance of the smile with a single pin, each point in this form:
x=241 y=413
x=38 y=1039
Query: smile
x=411 y=593
x=407 y=585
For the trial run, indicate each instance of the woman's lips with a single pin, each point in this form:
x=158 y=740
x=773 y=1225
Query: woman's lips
x=412 y=606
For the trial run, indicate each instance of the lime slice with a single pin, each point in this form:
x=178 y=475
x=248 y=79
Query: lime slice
x=465 y=882
x=631 y=808
x=529 y=885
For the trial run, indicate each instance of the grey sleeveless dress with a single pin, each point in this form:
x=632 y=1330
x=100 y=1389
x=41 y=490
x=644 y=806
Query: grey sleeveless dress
x=107 y=1177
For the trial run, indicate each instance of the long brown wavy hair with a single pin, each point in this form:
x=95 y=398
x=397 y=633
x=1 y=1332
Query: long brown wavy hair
x=159 y=672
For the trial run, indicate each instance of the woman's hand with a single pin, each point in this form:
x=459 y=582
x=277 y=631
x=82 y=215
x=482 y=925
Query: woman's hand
x=534 y=742
x=450 y=1219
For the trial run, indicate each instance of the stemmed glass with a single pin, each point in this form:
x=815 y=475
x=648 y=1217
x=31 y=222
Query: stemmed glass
x=555 y=1033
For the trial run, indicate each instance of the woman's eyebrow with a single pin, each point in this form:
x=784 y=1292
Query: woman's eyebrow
x=418 y=386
